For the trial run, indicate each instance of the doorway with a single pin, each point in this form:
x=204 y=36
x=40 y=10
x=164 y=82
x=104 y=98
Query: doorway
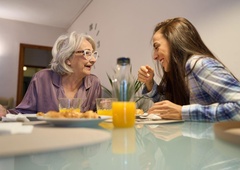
x=32 y=58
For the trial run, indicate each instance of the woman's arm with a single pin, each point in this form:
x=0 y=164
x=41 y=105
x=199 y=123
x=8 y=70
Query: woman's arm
x=215 y=93
x=3 y=111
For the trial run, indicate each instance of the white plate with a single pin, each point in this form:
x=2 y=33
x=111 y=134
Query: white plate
x=31 y=117
x=156 y=121
x=84 y=122
x=144 y=114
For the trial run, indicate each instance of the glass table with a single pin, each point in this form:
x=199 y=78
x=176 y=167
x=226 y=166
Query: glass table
x=173 y=146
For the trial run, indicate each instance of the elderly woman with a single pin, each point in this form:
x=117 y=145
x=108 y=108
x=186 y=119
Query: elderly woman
x=69 y=77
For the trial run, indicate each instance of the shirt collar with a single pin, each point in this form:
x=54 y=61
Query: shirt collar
x=58 y=78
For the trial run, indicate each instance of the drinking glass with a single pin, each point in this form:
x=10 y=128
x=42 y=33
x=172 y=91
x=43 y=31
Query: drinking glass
x=68 y=105
x=104 y=106
x=123 y=114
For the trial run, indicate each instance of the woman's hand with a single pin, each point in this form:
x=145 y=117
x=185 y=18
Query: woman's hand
x=145 y=75
x=167 y=110
x=3 y=111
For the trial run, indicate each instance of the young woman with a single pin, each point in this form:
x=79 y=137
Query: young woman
x=195 y=85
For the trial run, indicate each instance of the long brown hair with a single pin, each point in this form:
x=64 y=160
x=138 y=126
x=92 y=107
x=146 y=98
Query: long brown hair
x=184 y=41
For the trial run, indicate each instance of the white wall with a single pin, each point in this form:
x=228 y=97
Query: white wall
x=12 y=33
x=126 y=28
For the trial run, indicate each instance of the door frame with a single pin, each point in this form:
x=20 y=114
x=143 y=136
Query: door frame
x=21 y=64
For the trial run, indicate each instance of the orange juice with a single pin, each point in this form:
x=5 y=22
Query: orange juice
x=123 y=114
x=69 y=105
x=106 y=112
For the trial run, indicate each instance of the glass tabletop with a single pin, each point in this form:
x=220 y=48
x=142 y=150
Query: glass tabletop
x=181 y=146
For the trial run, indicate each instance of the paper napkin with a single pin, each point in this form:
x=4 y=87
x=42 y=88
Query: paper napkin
x=153 y=116
x=15 y=118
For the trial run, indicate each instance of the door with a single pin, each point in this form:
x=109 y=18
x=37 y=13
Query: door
x=32 y=58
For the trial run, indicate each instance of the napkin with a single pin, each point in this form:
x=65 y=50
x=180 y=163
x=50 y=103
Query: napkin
x=15 y=118
x=14 y=128
x=153 y=116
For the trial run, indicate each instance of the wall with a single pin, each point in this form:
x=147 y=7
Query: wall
x=12 y=33
x=125 y=28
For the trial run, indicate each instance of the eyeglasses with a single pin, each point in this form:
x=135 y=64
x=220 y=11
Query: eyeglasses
x=87 y=54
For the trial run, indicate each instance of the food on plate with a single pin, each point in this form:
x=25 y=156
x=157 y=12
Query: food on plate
x=69 y=114
x=90 y=114
x=69 y=110
x=139 y=112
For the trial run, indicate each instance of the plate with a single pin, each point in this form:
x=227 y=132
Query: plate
x=150 y=122
x=156 y=121
x=228 y=131
x=140 y=115
x=66 y=141
x=31 y=117
x=84 y=122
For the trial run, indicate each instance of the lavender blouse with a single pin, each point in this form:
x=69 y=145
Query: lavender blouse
x=45 y=88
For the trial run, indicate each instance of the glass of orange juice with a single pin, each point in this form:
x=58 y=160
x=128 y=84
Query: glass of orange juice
x=123 y=114
x=68 y=105
x=104 y=106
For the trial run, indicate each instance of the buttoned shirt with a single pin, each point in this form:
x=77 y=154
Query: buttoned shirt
x=214 y=92
x=46 y=87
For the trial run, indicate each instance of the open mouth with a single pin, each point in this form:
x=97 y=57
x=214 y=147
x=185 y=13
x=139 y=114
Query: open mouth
x=161 y=61
x=88 y=66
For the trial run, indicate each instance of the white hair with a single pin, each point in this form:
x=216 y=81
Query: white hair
x=64 y=48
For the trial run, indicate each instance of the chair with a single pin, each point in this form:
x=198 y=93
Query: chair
x=7 y=102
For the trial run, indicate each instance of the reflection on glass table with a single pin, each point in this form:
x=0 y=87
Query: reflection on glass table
x=182 y=146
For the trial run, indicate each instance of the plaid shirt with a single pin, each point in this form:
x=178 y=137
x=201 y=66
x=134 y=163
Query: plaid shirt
x=214 y=92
